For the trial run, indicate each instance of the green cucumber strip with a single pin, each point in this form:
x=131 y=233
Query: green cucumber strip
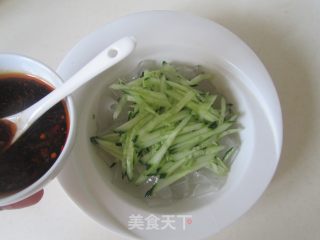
x=183 y=89
x=195 y=153
x=199 y=78
x=227 y=158
x=154 y=137
x=171 y=74
x=152 y=74
x=192 y=127
x=223 y=127
x=191 y=135
x=163 y=182
x=144 y=93
x=210 y=141
x=130 y=124
x=189 y=143
x=129 y=154
x=218 y=167
x=141 y=102
x=111 y=137
x=200 y=110
x=210 y=101
x=120 y=106
x=145 y=82
x=175 y=118
x=108 y=147
x=229 y=132
x=142 y=122
x=136 y=82
x=125 y=146
x=163 y=85
x=214 y=112
x=171 y=167
x=223 y=109
x=179 y=159
x=147 y=156
x=233 y=118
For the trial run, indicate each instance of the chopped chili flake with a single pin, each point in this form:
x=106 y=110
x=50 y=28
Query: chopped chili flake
x=42 y=136
x=53 y=155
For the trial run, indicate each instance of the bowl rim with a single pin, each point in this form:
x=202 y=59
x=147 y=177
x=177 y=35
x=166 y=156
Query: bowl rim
x=278 y=118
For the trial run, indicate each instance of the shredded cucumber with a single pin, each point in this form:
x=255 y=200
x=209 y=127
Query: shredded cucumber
x=173 y=128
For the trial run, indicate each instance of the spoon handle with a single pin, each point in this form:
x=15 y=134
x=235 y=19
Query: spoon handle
x=110 y=56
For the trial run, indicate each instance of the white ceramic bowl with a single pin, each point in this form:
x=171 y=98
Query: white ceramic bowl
x=173 y=36
x=20 y=64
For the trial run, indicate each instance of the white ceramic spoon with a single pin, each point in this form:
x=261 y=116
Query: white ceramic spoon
x=107 y=58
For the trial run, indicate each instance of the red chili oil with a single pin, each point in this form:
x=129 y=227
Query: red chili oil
x=32 y=155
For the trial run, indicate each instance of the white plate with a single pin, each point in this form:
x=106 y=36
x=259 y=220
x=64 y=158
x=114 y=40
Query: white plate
x=174 y=36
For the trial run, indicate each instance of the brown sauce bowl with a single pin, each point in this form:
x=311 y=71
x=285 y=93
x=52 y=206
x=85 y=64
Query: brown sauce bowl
x=39 y=154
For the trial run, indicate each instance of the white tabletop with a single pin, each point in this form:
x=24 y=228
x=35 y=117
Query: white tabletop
x=286 y=36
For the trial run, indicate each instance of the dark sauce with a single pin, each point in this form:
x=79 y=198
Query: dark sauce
x=7 y=132
x=24 y=162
